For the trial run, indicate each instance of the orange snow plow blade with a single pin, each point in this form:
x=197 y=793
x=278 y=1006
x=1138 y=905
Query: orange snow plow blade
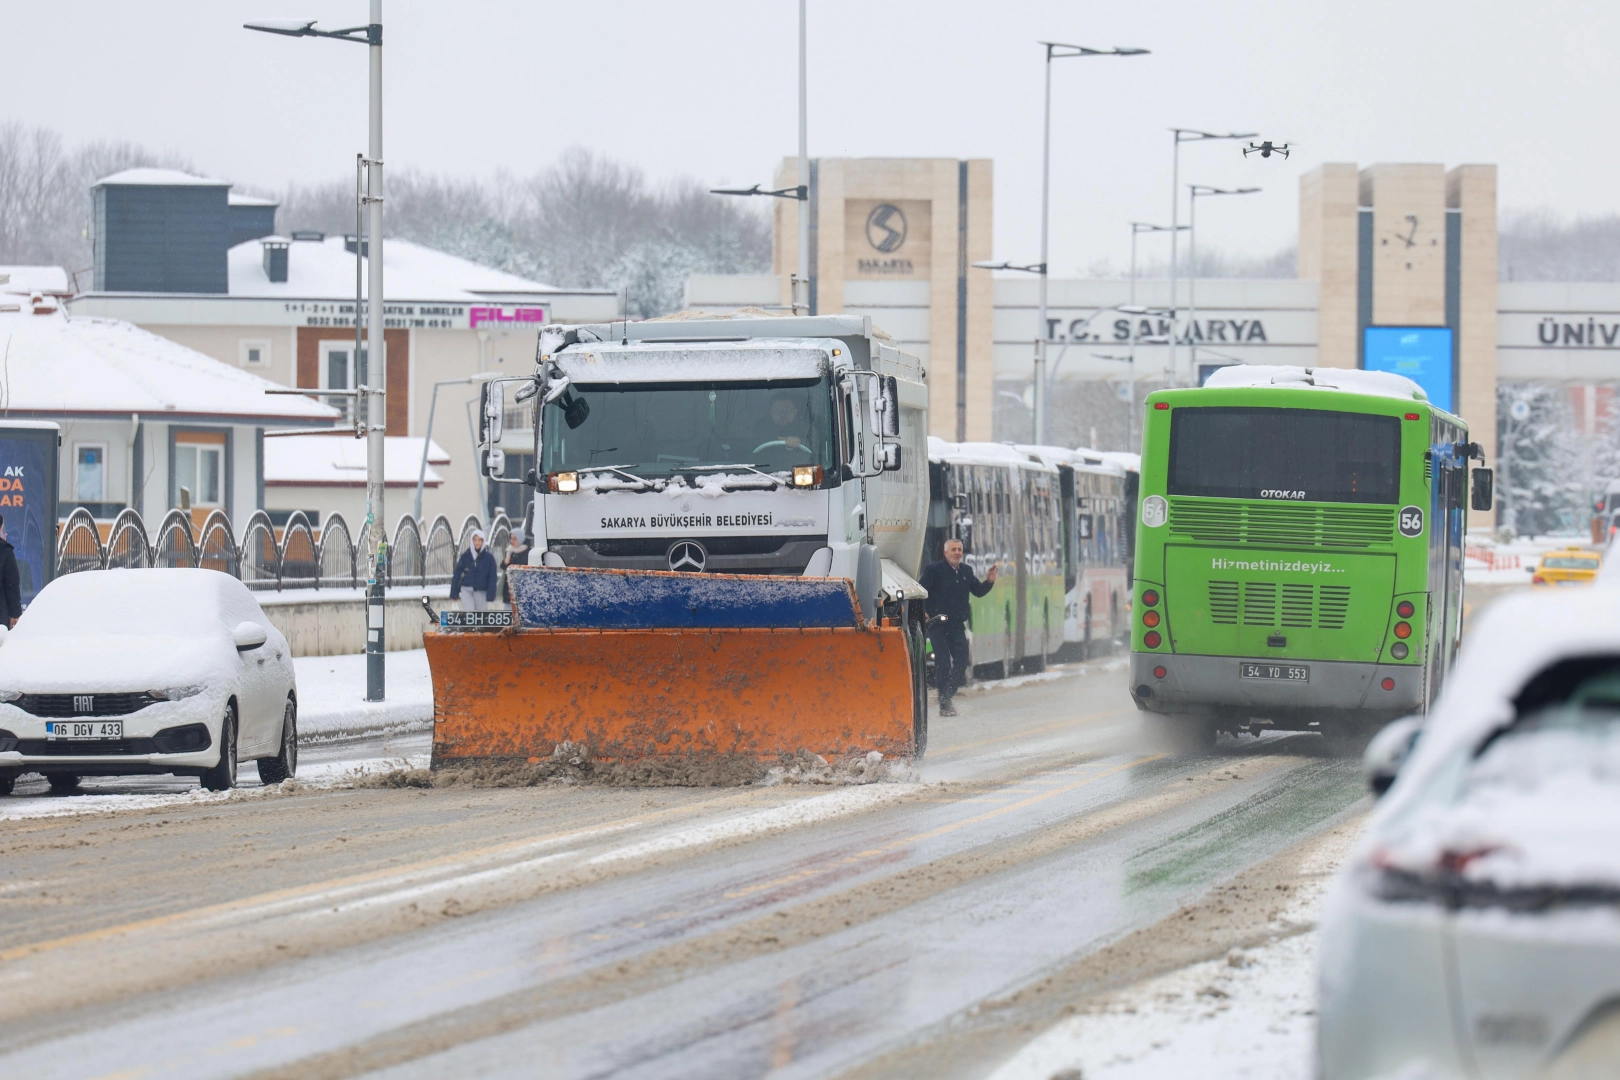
x=816 y=679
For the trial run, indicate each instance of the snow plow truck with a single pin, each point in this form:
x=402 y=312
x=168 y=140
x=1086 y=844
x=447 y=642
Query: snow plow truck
x=727 y=524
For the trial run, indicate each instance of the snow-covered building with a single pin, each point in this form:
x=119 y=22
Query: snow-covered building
x=146 y=422
x=283 y=307
x=326 y=474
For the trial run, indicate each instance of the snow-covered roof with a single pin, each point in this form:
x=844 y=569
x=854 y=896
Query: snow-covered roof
x=1123 y=458
x=697 y=361
x=340 y=461
x=233 y=199
x=51 y=280
x=1350 y=380
x=1084 y=459
x=58 y=365
x=160 y=178
x=325 y=270
x=985 y=453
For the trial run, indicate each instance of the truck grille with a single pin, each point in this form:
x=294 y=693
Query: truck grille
x=1268 y=604
x=1234 y=522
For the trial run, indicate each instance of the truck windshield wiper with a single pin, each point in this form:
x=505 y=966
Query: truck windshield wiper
x=656 y=485
x=776 y=481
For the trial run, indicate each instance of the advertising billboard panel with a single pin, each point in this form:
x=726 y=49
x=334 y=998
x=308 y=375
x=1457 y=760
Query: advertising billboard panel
x=28 y=490
x=1421 y=353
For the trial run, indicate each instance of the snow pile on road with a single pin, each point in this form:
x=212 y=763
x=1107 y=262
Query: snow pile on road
x=1250 y=1013
x=332 y=691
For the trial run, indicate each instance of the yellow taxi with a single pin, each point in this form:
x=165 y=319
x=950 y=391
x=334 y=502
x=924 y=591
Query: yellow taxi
x=1566 y=566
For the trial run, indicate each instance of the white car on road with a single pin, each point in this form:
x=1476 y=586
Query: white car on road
x=1476 y=931
x=118 y=672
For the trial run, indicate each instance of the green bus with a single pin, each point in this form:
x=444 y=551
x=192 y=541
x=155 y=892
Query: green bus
x=1299 y=552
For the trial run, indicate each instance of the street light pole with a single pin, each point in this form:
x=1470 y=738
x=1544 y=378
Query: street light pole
x=801 y=192
x=427 y=440
x=1194 y=193
x=1054 y=51
x=1137 y=229
x=1184 y=135
x=804 y=170
x=374 y=388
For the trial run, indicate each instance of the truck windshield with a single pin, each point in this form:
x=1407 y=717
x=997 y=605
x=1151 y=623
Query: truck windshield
x=1312 y=455
x=658 y=429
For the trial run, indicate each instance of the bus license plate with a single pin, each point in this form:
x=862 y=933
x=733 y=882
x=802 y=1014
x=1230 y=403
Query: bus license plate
x=1286 y=672
x=475 y=620
x=84 y=729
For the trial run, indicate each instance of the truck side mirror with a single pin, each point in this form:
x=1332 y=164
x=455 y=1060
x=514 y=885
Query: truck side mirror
x=575 y=410
x=491 y=408
x=889 y=456
x=495 y=464
x=1484 y=488
x=888 y=407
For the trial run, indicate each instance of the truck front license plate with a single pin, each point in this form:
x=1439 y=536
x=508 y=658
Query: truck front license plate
x=84 y=729
x=1286 y=672
x=475 y=620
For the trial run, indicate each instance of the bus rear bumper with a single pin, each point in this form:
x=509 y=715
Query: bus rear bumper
x=1205 y=684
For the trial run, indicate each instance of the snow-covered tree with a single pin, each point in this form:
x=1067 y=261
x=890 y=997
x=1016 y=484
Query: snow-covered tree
x=1543 y=464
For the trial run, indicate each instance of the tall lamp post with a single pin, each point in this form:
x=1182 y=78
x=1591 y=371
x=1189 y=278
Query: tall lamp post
x=376 y=380
x=1184 y=135
x=1137 y=229
x=802 y=191
x=1054 y=51
x=1194 y=193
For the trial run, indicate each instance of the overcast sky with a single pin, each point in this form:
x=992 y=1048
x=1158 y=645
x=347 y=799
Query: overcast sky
x=706 y=88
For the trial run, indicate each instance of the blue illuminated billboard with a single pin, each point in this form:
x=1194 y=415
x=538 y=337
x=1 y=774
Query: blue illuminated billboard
x=1421 y=353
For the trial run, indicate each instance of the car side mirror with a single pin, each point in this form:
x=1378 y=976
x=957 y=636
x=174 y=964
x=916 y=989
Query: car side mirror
x=249 y=636
x=1484 y=488
x=1388 y=751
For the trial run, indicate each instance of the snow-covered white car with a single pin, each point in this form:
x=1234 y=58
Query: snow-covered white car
x=1476 y=930
x=119 y=672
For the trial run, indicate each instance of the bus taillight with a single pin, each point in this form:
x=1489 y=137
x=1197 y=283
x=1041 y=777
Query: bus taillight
x=1405 y=609
x=1150 y=618
x=1150 y=598
x=1159 y=672
x=1152 y=639
x=1388 y=684
x=1403 y=630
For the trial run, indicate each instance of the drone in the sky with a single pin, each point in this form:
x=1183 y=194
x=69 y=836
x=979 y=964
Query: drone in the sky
x=1266 y=149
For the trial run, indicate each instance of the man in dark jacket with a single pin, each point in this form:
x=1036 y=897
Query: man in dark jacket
x=476 y=570
x=10 y=586
x=948 y=583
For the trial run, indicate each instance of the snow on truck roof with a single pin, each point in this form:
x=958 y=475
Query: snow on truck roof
x=1349 y=380
x=697 y=361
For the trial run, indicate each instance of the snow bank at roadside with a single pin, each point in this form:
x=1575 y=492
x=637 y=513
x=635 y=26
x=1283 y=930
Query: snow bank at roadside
x=332 y=691
x=1249 y=1014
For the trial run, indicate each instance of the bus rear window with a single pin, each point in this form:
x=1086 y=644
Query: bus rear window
x=1307 y=455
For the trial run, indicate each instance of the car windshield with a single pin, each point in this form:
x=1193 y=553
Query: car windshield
x=1313 y=455
x=660 y=429
x=1568 y=562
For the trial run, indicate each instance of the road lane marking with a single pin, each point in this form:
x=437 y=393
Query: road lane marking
x=307 y=893
x=895 y=845
x=1026 y=732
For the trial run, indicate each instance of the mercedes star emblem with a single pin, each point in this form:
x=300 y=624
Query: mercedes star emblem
x=688 y=556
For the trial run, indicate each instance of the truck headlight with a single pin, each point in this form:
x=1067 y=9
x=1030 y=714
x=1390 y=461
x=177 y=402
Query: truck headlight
x=564 y=482
x=806 y=475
